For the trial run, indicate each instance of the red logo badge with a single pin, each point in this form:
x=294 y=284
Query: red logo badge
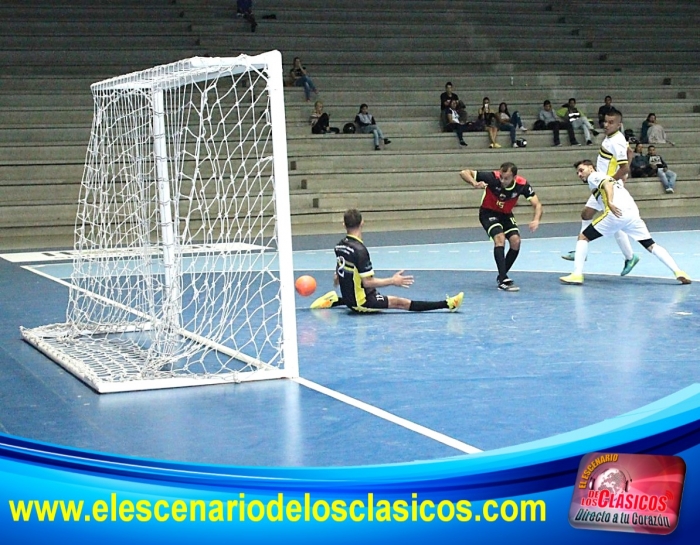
x=628 y=493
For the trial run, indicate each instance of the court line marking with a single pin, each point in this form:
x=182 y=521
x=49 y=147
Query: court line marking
x=394 y=419
x=371 y=409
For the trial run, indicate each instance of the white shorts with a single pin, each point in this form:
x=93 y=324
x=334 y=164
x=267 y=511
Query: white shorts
x=634 y=226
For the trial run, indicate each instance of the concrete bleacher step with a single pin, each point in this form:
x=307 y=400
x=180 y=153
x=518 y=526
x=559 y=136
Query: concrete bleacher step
x=392 y=161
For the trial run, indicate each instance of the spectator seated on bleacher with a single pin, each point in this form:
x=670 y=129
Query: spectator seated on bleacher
x=367 y=124
x=639 y=167
x=660 y=168
x=445 y=101
x=320 y=121
x=604 y=110
x=489 y=119
x=548 y=120
x=652 y=132
x=300 y=78
x=578 y=120
x=455 y=122
x=244 y=8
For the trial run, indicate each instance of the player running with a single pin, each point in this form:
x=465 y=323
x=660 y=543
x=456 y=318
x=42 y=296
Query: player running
x=620 y=214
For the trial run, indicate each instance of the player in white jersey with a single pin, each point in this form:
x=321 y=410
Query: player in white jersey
x=613 y=160
x=619 y=214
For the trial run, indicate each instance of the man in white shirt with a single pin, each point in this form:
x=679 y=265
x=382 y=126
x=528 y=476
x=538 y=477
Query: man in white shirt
x=620 y=214
x=614 y=159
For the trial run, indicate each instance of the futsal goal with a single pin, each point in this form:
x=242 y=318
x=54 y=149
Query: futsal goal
x=182 y=272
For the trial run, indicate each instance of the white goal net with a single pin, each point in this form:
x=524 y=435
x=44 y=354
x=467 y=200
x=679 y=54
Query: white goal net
x=183 y=266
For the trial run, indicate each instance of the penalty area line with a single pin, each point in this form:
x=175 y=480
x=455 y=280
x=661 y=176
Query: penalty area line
x=417 y=428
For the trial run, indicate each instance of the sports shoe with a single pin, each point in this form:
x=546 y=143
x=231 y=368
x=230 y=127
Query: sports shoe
x=573 y=279
x=575 y=143
x=682 y=277
x=325 y=301
x=506 y=280
x=463 y=143
x=589 y=142
x=557 y=145
x=594 y=132
x=508 y=287
x=387 y=141
x=570 y=256
x=669 y=190
x=515 y=145
x=629 y=265
x=453 y=303
x=376 y=148
x=494 y=145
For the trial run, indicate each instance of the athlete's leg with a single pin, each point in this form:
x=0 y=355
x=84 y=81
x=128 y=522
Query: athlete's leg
x=584 y=238
x=421 y=306
x=513 y=248
x=499 y=255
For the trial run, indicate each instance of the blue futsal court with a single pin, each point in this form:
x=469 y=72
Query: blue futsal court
x=507 y=369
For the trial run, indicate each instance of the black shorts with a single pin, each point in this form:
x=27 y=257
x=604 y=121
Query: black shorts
x=497 y=222
x=375 y=301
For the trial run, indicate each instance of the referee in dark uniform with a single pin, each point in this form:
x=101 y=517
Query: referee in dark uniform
x=358 y=285
x=502 y=188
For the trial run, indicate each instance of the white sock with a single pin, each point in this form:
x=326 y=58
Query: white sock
x=665 y=258
x=623 y=241
x=584 y=224
x=581 y=254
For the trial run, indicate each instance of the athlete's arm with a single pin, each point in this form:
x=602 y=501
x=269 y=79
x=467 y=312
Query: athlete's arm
x=469 y=176
x=624 y=170
x=537 y=205
x=399 y=279
x=609 y=189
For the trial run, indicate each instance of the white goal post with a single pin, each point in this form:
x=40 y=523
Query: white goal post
x=183 y=270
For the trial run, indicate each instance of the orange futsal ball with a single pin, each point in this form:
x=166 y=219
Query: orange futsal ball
x=305 y=285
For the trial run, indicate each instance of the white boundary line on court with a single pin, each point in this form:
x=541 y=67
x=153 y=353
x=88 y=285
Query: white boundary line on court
x=381 y=413
x=371 y=409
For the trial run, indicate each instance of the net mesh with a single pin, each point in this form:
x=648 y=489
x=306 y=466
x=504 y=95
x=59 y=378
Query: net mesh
x=176 y=271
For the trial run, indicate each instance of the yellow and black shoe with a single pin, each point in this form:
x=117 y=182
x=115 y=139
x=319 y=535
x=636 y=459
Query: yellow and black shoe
x=453 y=303
x=325 y=301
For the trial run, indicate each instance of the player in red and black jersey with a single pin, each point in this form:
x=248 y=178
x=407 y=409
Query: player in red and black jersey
x=502 y=188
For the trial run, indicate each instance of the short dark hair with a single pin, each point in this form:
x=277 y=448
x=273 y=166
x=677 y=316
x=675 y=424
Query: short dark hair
x=615 y=112
x=505 y=167
x=572 y=98
x=608 y=97
x=448 y=83
x=352 y=218
x=363 y=106
x=546 y=102
x=586 y=162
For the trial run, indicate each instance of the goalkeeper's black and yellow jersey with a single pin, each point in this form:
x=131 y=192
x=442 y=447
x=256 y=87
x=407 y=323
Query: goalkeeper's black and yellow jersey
x=352 y=265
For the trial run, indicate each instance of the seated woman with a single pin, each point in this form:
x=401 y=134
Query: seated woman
x=300 y=78
x=652 y=132
x=490 y=120
x=320 y=121
x=455 y=122
x=367 y=124
x=508 y=122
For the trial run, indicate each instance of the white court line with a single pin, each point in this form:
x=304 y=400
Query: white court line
x=371 y=409
x=417 y=428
